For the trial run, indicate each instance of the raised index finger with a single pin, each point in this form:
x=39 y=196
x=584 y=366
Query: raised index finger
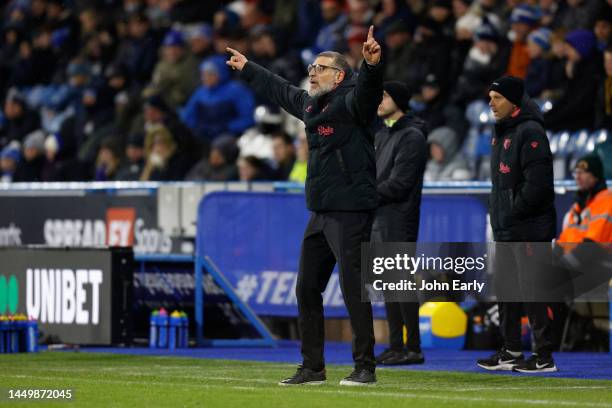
x=233 y=51
x=371 y=33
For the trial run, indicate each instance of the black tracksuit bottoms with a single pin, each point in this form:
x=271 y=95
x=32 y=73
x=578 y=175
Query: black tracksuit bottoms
x=334 y=237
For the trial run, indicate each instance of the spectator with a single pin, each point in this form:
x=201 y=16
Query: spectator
x=574 y=109
x=9 y=159
x=551 y=12
x=299 y=170
x=433 y=102
x=108 y=160
x=400 y=51
x=200 y=41
x=220 y=165
x=284 y=155
x=331 y=35
x=220 y=104
x=30 y=168
x=579 y=14
x=20 y=120
x=538 y=71
x=265 y=50
x=603 y=28
x=257 y=141
x=603 y=107
x=355 y=37
x=486 y=60
x=164 y=162
x=557 y=76
x=175 y=76
x=251 y=168
x=37 y=61
x=138 y=52
x=523 y=20
x=61 y=163
x=133 y=163
x=447 y=163
x=65 y=28
x=441 y=12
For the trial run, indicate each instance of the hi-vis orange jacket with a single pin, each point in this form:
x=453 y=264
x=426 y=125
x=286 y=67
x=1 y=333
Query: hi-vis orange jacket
x=594 y=222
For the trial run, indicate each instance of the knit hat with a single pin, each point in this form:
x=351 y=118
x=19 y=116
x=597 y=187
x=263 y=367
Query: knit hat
x=541 y=37
x=511 y=88
x=400 y=93
x=157 y=102
x=592 y=164
x=10 y=152
x=174 y=39
x=35 y=140
x=525 y=14
x=583 y=41
x=226 y=145
x=486 y=31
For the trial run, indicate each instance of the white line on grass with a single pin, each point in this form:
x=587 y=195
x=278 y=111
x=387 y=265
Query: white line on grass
x=346 y=392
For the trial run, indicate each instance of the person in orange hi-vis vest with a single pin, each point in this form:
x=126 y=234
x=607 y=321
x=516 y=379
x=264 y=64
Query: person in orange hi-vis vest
x=590 y=218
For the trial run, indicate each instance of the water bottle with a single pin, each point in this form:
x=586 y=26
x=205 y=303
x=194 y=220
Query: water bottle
x=153 y=330
x=173 y=330
x=31 y=336
x=162 y=323
x=184 y=332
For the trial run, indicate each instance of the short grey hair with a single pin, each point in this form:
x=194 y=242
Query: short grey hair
x=338 y=60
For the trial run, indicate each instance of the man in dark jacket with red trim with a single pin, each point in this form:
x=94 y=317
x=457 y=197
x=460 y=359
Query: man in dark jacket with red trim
x=522 y=211
x=401 y=155
x=340 y=191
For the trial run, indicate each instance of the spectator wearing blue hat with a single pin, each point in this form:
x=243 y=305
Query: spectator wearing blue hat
x=176 y=74
x=220 y=104
x=538 y=71
x=575 y=108
x=523 y=20
x=9 y=158
x=201 y=41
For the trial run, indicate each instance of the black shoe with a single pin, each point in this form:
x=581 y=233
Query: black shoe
x=536 y=364
x=502 y=360
x=305 y=376
x=360 y=377
x=404 y=358
x=386 y=354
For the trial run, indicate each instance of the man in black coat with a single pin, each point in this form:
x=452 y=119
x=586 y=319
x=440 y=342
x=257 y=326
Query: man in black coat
x=401 y=155
x=522 y=211
x=340 y=191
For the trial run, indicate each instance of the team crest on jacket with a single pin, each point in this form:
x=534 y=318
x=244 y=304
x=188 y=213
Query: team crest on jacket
x=534 y=145
x=308 y=108
x=325 y=130
x=507 y=143
x=504 y=168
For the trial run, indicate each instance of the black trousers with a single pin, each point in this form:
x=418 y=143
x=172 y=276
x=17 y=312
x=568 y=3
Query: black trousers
x=518 y=265
x=400 y=314
x=330 y=238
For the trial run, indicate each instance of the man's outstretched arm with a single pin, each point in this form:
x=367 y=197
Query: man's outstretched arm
x=269 y=85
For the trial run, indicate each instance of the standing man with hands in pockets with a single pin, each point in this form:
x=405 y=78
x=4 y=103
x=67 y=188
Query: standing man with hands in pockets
x=338 y=111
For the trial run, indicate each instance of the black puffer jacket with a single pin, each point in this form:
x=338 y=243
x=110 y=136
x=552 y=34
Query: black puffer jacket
x=401 y=154
x=341 y=164
x=522 y=199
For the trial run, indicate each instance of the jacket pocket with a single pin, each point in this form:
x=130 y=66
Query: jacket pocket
x=343 y=168
x=505 y=204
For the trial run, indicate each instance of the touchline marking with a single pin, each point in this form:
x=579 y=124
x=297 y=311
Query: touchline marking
x=342 y=392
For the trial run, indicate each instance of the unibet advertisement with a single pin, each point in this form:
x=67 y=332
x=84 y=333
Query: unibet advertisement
x=67 y=291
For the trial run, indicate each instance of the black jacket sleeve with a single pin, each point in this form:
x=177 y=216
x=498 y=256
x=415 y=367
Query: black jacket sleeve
x=536 y=191
x=368 y=92
x=275 y=88
x=408 y=166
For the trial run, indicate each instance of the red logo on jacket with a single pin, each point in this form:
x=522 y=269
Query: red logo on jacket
x=507 y=143
x=308 y=108
x=325 y=130
x=534 y=145
x=504 y=168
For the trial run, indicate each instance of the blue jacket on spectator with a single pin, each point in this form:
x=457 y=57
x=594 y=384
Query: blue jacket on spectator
x=225 y=107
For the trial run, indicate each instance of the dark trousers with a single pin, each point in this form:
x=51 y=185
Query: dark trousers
x=517 y=263
x=330 y=238
x=400 y=314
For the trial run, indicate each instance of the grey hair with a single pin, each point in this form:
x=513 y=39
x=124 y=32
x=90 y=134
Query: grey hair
x=338 y=60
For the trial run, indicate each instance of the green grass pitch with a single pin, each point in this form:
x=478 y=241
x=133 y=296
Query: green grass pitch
x=112 y=380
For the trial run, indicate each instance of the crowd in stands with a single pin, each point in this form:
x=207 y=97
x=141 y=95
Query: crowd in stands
x=139 y=89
